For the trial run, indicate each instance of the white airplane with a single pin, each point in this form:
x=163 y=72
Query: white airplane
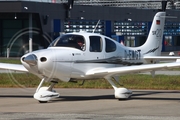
x=100 y=57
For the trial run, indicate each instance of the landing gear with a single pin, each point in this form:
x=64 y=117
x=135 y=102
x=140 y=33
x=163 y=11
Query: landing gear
x=44 y=94
x=119 y=93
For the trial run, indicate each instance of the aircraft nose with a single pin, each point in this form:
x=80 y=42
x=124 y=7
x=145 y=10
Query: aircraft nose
x=30 y=59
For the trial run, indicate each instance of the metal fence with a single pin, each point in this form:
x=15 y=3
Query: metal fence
x=144 y=4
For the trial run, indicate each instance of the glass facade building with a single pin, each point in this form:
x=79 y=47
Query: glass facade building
x=129 y=26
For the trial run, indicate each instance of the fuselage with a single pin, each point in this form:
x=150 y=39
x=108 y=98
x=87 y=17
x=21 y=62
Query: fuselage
x=64 y=60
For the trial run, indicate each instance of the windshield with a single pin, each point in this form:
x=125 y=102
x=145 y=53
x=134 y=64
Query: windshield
x=75 y=41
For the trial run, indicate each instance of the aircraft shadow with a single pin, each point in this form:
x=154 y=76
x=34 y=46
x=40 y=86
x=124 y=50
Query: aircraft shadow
x=141 y=95
x=16 y=96
x=84 y=98
x=137 y=95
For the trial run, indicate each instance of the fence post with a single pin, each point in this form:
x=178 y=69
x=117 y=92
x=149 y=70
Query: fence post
x=7 y=52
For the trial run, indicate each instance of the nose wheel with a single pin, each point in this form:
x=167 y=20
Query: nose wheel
x=45 y=94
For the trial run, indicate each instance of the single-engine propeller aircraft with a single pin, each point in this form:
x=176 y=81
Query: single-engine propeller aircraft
x=82 y=55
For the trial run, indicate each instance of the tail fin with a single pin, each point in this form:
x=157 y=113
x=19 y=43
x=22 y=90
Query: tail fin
x=153 y=44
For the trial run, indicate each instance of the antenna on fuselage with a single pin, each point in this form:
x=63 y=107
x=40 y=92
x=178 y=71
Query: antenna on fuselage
x=96 y=26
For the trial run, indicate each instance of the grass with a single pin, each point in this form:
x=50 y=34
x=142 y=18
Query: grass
x=10 y=60
x=165 y=82
x=134 y=81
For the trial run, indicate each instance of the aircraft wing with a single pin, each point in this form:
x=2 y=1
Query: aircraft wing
x=161 y=57
x=14 y=67
x=131 y=69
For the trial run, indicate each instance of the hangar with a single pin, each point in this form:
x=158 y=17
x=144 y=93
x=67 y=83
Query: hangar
x=43 y=20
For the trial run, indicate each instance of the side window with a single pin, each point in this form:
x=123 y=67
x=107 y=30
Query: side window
x=95 y=44
x=110 y=45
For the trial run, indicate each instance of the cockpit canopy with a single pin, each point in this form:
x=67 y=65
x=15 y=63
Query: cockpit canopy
x=69 y=40
x=94 y=44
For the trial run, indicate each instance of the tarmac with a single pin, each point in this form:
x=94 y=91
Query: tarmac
x=91 y=104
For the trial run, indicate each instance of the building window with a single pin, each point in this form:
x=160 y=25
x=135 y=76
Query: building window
x=83 y=25
x=131 y=28
x=171 y=29
x=168 y=41
x=130 y=41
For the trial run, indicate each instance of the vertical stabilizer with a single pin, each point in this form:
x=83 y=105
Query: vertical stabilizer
x=153 y=44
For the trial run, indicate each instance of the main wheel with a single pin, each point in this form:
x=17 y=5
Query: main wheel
x=122 y=93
